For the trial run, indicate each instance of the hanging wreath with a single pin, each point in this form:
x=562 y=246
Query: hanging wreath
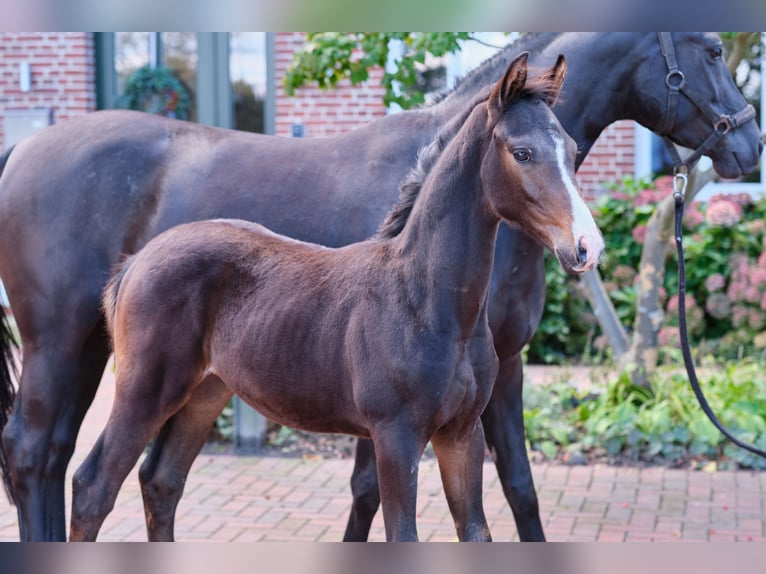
x=157 y=91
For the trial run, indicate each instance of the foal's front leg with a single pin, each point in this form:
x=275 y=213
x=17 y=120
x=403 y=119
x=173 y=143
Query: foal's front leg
x=461 y=461
x=398 y=449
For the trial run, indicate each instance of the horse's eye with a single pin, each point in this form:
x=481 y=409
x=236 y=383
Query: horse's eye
x=521 y=155
x=716 y=53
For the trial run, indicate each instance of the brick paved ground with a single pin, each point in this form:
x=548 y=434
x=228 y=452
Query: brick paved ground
x=243 y=499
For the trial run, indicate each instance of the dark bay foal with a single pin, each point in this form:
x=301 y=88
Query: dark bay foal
x=386 y=339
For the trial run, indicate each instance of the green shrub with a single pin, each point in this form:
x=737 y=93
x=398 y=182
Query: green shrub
x=624 y=422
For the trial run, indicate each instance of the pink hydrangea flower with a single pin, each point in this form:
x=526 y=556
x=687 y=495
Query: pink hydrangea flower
x=715 y=283
x=693 y=216
x=639 y=233
x=723 y=212
x=718 y=305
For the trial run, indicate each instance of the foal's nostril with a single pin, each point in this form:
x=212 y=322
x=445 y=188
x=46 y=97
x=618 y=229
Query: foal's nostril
x=582 y=251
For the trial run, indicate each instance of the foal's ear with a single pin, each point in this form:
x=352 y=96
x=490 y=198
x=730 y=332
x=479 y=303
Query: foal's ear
x=556 y=77
x=511 y=85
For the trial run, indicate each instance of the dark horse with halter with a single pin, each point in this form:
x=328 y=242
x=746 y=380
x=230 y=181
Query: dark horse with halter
x=79 y=195
x=386 y=339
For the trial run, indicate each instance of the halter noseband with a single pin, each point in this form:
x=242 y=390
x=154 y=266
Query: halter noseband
x=722 y=124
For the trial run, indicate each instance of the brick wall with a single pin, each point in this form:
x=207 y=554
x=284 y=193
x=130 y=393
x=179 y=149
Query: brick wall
x=62 y=73
x=611 y=157
x=63 y=78
x=335 y=111
x=323 y=112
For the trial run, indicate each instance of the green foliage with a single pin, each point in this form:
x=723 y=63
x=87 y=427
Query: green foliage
x=157 y=91
x=724 y=243
x=329 y=57
x=625 y=422
x=568 y=326
x=223 y=429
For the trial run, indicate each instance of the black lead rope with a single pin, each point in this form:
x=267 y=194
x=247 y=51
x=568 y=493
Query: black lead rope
x=679 y=191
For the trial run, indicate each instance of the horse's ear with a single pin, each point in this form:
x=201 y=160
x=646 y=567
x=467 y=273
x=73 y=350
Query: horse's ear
x=509 y=87
x=556 y=77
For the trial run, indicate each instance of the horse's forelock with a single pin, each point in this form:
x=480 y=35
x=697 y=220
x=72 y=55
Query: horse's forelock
x=541 y=85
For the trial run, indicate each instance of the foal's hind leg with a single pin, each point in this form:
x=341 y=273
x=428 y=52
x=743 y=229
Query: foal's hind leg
x=164 y=471
x=461 y=460
x=364 y=488
x=144 y=399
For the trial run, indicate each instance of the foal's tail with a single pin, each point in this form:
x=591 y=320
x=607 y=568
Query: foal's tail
x=109 y=302
x=8 y=373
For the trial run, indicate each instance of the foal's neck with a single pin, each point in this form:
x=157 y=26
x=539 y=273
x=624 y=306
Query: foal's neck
x=448 y=240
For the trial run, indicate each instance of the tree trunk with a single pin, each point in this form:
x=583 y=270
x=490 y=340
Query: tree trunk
x=605 y=314
x=639 y=356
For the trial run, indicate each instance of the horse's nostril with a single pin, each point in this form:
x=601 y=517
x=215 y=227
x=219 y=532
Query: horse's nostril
x=582 y=251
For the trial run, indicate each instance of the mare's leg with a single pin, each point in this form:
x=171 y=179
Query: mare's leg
x=164 y=471
x=364 y=488
x=504 y=431
x=147 y=393
x=461 y=461
x=61 y=369
x=398 y=448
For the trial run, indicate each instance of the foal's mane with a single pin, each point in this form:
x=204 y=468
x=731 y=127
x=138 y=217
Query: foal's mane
x=538 y=86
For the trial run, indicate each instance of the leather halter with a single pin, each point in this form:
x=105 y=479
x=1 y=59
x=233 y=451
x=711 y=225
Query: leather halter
x=722 y=124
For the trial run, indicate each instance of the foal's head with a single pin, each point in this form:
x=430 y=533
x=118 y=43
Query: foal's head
x=528 y=171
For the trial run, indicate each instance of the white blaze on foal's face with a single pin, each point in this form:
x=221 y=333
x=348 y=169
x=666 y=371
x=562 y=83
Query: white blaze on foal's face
x=585 y=233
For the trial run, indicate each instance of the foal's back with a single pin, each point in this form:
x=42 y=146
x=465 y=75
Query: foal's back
x=267 y=314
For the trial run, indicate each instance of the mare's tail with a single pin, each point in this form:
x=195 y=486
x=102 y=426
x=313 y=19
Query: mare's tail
x=8 y=374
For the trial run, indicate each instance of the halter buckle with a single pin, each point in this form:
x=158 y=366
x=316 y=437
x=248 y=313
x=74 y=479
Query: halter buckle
x=675 y=74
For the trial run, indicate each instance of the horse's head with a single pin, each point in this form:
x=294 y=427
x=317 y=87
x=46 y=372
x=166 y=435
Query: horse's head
x=687 y=94
x=528 y=171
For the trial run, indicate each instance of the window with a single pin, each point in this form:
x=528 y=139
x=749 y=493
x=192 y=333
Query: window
x=247 y=70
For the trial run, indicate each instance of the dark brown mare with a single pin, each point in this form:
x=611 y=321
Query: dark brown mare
x=386 y=339
x=80 y=194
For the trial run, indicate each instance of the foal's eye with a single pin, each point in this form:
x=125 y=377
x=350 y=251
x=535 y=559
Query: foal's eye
x=716 y=53
x=521 y=155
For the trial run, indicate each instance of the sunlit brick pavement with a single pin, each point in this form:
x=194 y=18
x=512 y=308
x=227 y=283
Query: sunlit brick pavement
x=246 y=499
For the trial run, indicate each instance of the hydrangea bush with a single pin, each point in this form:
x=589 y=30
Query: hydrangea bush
x=725 y=247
